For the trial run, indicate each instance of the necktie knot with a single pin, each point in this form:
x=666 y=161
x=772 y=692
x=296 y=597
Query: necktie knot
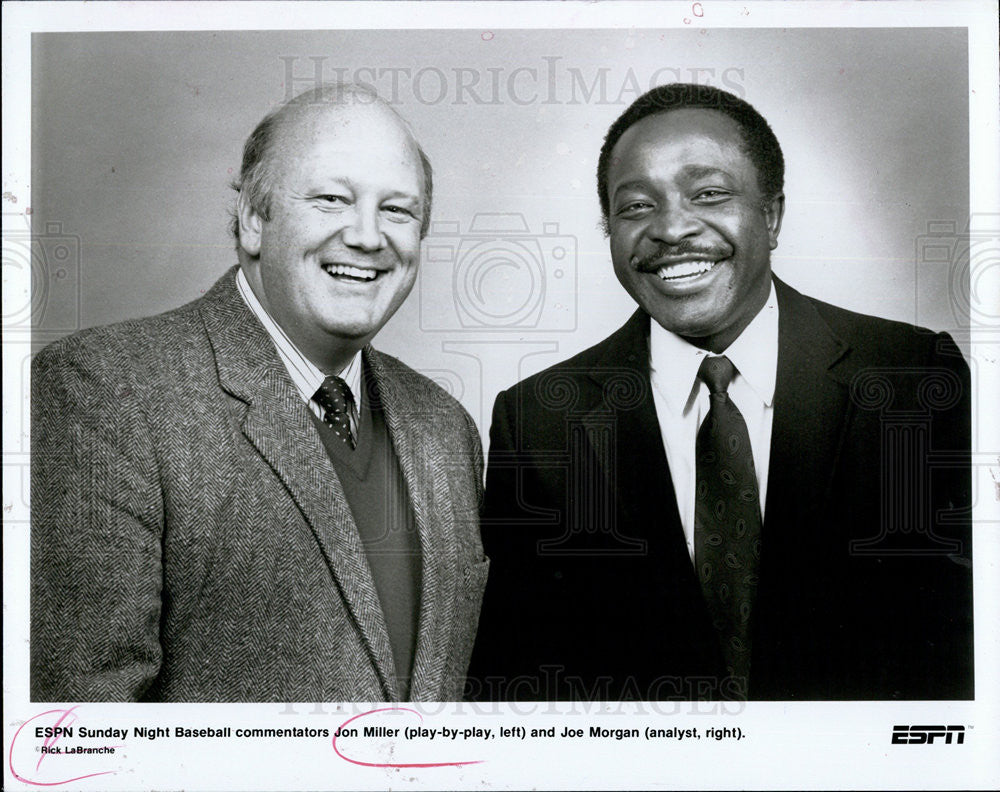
x=334 y=395
x=337 y=401
x=717 y=372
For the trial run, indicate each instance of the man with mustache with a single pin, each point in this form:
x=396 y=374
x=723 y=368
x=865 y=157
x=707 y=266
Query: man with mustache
x=731 y=496
x=241 y=499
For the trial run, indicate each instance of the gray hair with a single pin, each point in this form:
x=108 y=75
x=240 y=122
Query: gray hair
x=256 y=180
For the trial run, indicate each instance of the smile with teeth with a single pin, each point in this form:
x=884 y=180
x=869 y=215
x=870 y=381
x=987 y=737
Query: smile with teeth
x=356 y=273
x=685 y=270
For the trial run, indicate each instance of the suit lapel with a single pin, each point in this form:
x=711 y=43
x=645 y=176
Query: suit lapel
x=414 y=441
x=647 y=507
x=811 y=412
x=811 y=408
x=637 y=473
x=276 y=422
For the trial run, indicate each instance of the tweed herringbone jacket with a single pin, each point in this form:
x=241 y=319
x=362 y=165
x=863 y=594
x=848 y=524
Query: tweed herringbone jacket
x=190 y=540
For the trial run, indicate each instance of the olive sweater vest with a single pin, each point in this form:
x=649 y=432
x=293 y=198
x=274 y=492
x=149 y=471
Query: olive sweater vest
x=376 y=493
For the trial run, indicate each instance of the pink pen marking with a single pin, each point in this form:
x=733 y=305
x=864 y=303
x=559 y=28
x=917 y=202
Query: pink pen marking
x=49 y=742
x=391 y=764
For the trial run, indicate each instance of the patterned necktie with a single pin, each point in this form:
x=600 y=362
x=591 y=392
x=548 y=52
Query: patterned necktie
x=727 y=519
x=337 y=401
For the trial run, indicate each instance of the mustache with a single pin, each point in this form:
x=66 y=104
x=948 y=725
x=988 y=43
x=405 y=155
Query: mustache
x=654 y=260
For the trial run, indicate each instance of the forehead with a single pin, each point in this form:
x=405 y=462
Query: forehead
x=678 y=138
x=362 y=143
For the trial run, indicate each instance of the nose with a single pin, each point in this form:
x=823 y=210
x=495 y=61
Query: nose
x=673 y=222
x=364 y=233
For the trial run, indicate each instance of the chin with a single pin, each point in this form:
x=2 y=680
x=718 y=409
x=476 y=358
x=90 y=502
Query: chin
x=688 y=316
x=350 y=332
x=690 y=326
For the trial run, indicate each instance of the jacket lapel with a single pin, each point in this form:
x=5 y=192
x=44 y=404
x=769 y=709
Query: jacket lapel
x=811 y=405
x=811 y=411
x=276 y=422
x=639 y=476
x=420 y=456
x=626 y=445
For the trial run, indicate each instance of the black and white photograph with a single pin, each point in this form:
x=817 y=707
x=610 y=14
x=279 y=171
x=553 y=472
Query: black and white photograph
x=457 y=395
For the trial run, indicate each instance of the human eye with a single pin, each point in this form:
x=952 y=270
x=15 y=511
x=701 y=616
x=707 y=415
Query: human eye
x=633 y=207
x=331 y=199
x=399 y=213
x=712 y=195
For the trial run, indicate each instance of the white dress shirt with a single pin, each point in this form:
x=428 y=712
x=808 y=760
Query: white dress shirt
x=304 y=374
x=682 y=400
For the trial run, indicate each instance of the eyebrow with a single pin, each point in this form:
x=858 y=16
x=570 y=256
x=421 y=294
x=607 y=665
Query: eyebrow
x=635 y=184
x=321 y=186
x=406 y=196
x=702 y=171
x=687 y=172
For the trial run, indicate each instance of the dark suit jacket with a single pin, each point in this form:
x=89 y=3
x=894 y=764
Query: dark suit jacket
x=190 y=540
x=865 y=579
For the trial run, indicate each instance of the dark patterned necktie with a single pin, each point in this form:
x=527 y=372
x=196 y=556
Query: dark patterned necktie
x=727 y=519
x=337 y=401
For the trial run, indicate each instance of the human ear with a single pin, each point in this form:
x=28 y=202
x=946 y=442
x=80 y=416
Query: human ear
x=774 y=210
x=250 y=225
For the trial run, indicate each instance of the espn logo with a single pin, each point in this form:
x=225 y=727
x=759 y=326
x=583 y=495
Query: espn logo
x=920 y=735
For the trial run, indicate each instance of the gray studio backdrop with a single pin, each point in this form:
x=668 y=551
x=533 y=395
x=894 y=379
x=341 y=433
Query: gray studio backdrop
x=136 y=137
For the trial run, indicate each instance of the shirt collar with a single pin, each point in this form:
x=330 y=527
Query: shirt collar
x=755 y=352
x=306 y=376
x=674 y=362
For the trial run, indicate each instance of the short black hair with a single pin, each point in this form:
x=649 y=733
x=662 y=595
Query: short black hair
x=760 y=143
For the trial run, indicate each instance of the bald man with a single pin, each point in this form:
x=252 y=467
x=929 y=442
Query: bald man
x=241 y=500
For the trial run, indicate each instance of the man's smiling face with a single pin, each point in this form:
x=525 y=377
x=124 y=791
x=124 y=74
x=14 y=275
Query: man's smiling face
x=691 y=232
x=338 y=252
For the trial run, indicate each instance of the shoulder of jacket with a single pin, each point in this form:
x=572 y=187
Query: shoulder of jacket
x=577 y=367
x=883 y=339
x=110 y=346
